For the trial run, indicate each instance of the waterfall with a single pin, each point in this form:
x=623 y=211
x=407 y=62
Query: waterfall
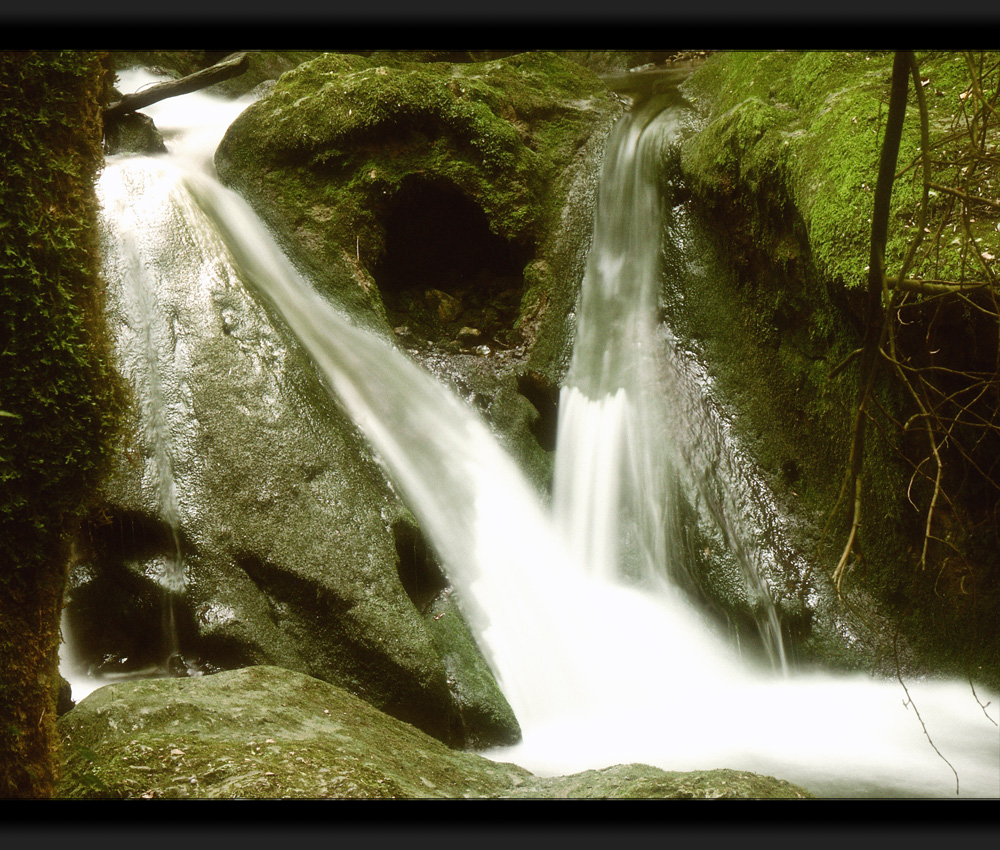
x=579 y=609
x=610 y=482
x=141 y=267
x=620 y=449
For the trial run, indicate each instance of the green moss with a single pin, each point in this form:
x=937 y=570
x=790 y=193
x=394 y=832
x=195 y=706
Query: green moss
x=59 y=391
x=807 y=127
x=264 y=732
x=324 y=153
x=783 y=174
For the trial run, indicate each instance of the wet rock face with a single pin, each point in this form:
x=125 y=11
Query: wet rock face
x=119 y=608
x=447 y=207
x=246 y=520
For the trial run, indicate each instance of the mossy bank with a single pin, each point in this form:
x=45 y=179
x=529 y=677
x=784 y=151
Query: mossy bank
x=782 y=174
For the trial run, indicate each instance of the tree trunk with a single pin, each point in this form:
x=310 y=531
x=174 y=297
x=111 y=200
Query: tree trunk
x=57 y=392
x=874 y=318
x=875 y=326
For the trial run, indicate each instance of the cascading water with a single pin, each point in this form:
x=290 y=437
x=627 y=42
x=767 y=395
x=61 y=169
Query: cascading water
x=635 y=437
x=140 y=267
x=610 y=488
x=620 y=449
x=578 y=611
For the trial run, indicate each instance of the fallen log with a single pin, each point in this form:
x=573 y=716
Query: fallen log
x=224 y=70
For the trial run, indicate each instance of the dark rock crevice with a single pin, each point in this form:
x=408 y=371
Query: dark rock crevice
x=122 y=617
x=419 y=572
x=544 y=396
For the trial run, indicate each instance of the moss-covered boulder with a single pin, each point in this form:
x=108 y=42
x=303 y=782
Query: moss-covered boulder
x=265 y=732
x=448 y=207
x=783 y=176
x=433 y=195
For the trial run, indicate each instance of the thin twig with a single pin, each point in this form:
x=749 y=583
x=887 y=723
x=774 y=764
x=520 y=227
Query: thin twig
x=958 y=193
x=982 y=705
x=908 y=702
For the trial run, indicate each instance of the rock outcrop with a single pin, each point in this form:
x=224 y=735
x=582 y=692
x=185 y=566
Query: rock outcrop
x=246 y=519
x=782 y=175
x=430 y=196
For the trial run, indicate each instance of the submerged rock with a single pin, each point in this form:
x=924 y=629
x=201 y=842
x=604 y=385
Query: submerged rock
x=265 y=732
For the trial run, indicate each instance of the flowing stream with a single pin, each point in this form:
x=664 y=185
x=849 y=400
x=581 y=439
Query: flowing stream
x=580 y=612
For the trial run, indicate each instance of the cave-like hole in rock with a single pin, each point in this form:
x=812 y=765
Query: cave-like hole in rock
x=443 y=269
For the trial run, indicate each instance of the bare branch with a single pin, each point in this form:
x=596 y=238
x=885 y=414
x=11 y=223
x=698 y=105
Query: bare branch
x=841 y=568
x=908 y=702
x=844 y=363
x=936 y=287
x=958 y=193
x=224 y=70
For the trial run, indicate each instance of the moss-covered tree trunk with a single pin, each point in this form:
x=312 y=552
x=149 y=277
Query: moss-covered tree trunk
x=57 y=387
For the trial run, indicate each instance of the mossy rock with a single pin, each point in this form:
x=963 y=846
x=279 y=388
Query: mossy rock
x=344 y=141
x=60 y=398
x=484 y=711
x=805 y=129
x=783 y=173
x=265 y=732
x=446 y=207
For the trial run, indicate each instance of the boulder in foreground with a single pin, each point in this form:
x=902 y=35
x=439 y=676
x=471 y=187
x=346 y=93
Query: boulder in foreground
x=267 y=732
